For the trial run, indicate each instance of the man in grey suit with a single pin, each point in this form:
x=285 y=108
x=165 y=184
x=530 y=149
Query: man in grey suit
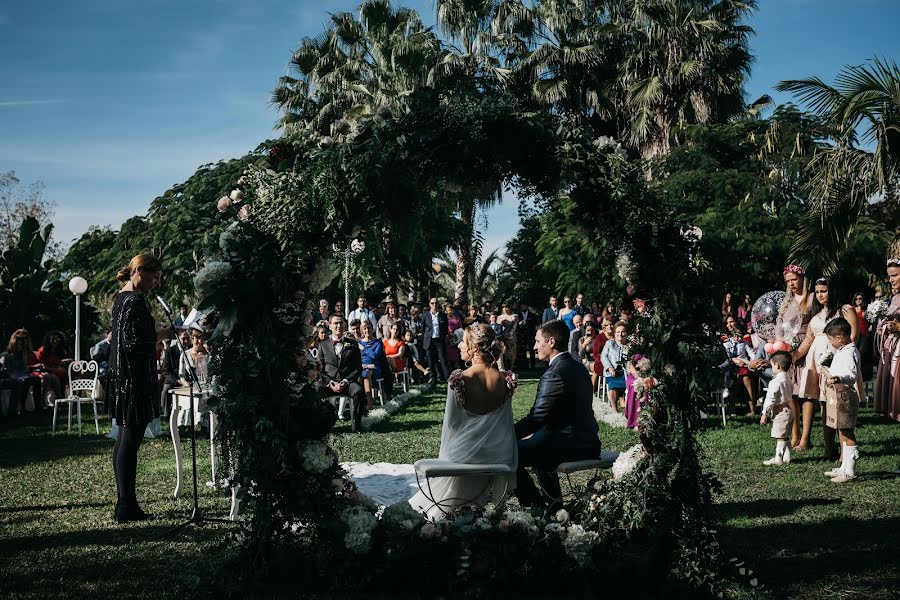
x=561 y=425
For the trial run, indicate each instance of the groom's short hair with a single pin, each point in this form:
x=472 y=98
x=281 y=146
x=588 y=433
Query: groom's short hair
x=559 y=331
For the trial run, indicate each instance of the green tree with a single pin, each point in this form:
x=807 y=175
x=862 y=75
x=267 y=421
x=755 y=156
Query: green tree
x=863 y=109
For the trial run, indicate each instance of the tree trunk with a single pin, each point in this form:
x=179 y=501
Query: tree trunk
x=464 y=253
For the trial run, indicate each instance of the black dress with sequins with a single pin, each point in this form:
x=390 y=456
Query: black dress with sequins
x=132 y=361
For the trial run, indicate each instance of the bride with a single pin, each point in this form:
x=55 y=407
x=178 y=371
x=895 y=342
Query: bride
x=478 y=427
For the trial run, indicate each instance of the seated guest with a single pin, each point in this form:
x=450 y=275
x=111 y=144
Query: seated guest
x=586 y=347
x=341 y=364
x=575 y=334
x=614 y=357
x=171 y=367
x=355 y=331
x=415 y=356
x=371 y=353
x=560 y=426
x=54 y=355
x=100 y=353
x=395 y=349
x=199 y=356
x=19 y=367
x=322 y=314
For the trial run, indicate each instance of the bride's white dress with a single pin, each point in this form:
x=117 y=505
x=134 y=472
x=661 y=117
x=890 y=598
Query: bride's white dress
x=470 y=438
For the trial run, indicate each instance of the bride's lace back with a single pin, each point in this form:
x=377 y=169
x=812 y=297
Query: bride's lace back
x=481 y=405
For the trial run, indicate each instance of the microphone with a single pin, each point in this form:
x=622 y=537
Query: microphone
x=165 y=305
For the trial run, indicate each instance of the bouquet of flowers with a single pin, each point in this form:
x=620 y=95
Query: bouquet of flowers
x=825 y=359
x=877 y=310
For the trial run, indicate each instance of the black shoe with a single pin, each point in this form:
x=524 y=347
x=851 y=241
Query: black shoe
x=136 y=513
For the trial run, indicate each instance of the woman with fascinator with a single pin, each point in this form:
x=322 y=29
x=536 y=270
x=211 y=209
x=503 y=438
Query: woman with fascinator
x=887 y=342
x=791 y=326
x=478 y=427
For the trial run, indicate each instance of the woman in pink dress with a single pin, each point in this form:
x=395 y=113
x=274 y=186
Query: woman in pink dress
x=887 y=340
x=790 y=326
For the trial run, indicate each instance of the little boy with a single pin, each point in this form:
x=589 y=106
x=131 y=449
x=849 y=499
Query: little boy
x=778 y=396
x=842 y=400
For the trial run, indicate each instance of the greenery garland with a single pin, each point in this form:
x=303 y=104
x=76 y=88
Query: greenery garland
x=306 y=517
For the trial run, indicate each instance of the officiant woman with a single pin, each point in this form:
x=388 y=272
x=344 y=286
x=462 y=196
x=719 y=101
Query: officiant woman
x=132 y=375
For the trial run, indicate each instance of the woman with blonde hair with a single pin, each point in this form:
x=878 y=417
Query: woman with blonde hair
x=478 y=427
x=132 y=375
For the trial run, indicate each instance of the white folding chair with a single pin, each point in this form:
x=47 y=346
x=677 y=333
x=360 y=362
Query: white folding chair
x=81 y=390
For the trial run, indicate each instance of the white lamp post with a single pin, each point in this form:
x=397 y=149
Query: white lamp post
x=78 y=286
x=356 y=247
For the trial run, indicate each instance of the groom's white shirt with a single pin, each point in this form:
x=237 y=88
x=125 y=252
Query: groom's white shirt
x=555 y=357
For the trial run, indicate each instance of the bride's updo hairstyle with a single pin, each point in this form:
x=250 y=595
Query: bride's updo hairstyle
x=145 y=261
x=481 y=340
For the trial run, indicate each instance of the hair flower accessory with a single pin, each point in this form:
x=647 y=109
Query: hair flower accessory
x=796 y=270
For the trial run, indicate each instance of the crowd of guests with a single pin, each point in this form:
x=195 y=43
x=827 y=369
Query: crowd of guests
x=35 y=378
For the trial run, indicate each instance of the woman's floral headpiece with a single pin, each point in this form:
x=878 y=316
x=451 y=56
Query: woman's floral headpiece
x=796 y=270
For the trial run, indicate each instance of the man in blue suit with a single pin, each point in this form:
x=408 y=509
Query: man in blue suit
x=561 y=425
x=552 y=311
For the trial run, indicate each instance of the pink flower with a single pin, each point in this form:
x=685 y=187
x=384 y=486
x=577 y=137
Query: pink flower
x=244 y=213
x=223 y=204
x=241 y=179
x=503 y=525
x=236 y=195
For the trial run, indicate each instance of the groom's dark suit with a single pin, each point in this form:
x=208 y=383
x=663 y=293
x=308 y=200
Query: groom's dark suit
x=562 y=427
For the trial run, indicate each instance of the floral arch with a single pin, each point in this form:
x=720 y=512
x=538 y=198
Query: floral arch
x=386 y=175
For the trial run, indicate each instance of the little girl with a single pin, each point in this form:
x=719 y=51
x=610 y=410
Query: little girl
x=778 y=398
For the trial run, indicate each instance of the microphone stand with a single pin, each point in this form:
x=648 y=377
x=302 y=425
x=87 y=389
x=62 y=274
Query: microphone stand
x=197 y=517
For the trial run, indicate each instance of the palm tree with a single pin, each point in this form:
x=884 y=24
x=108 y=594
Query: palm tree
x=863 y=108
x=685 y=62
x=471 y=52
x=356 y=67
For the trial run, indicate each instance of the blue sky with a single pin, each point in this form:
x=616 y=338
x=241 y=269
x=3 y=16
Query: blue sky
x=110 y=103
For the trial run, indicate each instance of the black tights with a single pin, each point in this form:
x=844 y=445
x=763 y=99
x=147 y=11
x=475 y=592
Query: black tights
x=125 y=462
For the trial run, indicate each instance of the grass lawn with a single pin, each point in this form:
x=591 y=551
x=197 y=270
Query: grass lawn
x=803 y=536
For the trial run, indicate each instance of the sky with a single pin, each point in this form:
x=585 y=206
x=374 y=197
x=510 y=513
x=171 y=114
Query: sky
x=111 y=103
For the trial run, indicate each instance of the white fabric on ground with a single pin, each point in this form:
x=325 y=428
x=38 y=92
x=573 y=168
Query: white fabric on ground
x=385 y=483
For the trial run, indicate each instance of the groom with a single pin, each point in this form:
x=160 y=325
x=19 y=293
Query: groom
x=561 y=425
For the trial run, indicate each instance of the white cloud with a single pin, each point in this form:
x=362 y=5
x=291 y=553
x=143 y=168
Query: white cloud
x=17 y=103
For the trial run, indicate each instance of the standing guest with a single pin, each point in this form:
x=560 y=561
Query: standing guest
x=496 y=327
x=414 y=324
x=388 y=320
x=778 y=403
x=341 y=366
x=579 y=304
x=551 y=313
x=575 y=334
x=614 y=356
x=355 y=329
x=362 y=312
x=509 y=323
x=454 y=322
x=100 y=352
x=603 y=336
x=181 y=317
x=171 y=367
x=525 y=332
x=54 y=355
x=20 y=364
x=567 y=313
x=435 y=331
x=472 y=317
x=395 y=349
x=887 y=343
x=322 y=314
x=132 y=376
x=790 y=326
x=863 y=337
x=745 y=308
x=727 y=306
x=843 y=407
x=825 y=308
x=338 y=308
x=371 y=353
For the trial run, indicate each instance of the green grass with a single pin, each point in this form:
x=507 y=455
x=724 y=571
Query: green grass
x=803 y=536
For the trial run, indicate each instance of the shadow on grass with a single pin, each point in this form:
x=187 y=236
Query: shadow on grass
x=768 y=507
x=796 y=558
x=51 y=507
